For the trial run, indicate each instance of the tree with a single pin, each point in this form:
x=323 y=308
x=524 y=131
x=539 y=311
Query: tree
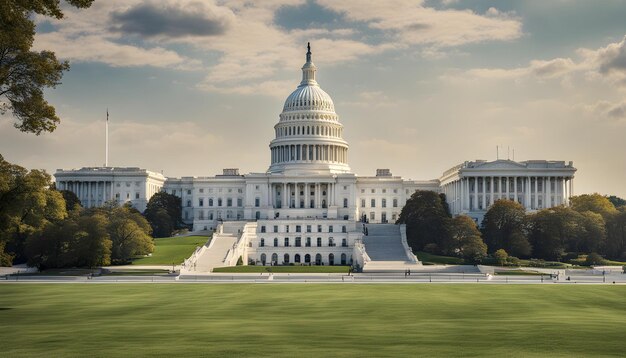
x=427 y=219
x=504 y=227
x=71 y=200
x=26 y=206
x=594 y=259
x=501 y=256
x=91 y=242
x=616 y=235
x=130 y=235
x=593 y=202
x=24 y=74
x=466 y=237
x=164 y=212
x=617 y=201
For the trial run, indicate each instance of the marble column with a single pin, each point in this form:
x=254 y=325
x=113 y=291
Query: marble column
x=484 y=194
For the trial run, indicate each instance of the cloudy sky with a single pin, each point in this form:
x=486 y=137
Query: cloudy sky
x=194 y=86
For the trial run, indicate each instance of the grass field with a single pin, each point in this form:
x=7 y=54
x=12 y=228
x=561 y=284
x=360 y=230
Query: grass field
x=311 y=320
x=283 y=269
x=172 y=249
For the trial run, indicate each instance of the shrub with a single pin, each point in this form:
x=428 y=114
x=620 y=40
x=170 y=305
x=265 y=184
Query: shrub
x=594 y=259
x=501 y=256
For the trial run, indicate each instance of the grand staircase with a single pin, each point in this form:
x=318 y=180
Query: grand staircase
x=386 y=250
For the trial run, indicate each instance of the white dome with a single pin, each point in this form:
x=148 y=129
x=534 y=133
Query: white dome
x=309 y=97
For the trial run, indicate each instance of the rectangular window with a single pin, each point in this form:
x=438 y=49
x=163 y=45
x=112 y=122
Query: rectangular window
x=373 y=191
x=239 y=202
x=257 y=202
x=298 y=241
x=330 y=228
x=286 y=228
x=202 y=190
x=362 y=203
x=229 y=202
x=263 y=228
x=383 y=203
x=275 y=228
x=343 y=228
x=136 y=195
x=308 y=228
x=395 y=191
x=298 y=228
x=188 y=192
x=308 y=242
x=384 y=191
x=319 y=228
x=373 y=202
x=286 y=242
x=200 y=202
x=319 y=242
x=395 y=203
x=345 y=202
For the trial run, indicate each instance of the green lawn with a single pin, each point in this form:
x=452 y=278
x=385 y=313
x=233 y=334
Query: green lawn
x=431 y=259
x=311 y=320
x=284 y=269
x=172 y=249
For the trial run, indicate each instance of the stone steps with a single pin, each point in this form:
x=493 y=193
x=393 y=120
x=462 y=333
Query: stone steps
x=384 y=243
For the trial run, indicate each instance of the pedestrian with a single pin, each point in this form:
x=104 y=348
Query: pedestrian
x=409 y=272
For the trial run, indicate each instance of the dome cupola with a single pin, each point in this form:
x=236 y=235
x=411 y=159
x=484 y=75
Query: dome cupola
x=309 y=137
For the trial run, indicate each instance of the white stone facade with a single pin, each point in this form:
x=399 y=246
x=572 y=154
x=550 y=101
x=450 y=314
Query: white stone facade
x=307 y=205
x=97 y=185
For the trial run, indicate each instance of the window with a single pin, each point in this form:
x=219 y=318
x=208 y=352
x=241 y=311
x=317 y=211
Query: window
x=117 y=196
x=262 y=228
x=201 y=215
x=343 y=259
x=373 y=191
x=286 y=228
x=319 y=228
x=372 y=216
x=395 y=191
x=263 y=259
x=345 y=187
x=219 y=202
x=230 y=190
x=241 y=190
x=298 y=241
x=308 y=228
x=286 y=258
x=384 y=191
x=257 y=202
x=296 y=258
x=395 y=203
x=298 y=228
x=331 y=241
x=362 y=203
x=330 y=228
x=136 y=195
x=256 y=187
x=307 y=258
x=286 y=242
x=127 y=195
x=343 y=228
x=275 y=228
x=319 y=242
x=239 y=202
x=307 y=243
x=362 y=191
x=201 y=190
x=229 y=202
x=345 y=202
x=383 y=203
x=200 y=202
x=188 y=203
x=188 y=192
x=373 y=203
x=274 y=258
x=394 y=216
x=211 y=202
x=344 y=242
x=275 y=242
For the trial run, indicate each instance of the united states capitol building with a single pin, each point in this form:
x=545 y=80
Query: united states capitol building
x=308 y=207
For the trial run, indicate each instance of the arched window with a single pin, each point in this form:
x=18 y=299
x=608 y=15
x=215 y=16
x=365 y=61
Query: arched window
x=343 y=259
x=263 y=258
x=318 y=259
x=296 y=258
x=307 y=258
x=274 y=258
x=331 y=259
x=286 y=259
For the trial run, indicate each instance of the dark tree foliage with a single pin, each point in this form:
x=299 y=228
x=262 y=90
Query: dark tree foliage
x=427 y=218
x=164 y=212
x=615 y=247
x=617 y=201
x=504 y=227
x=72 y=202
x=24 y=74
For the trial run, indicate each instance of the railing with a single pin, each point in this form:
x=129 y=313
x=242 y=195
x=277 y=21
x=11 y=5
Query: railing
x=405 y=244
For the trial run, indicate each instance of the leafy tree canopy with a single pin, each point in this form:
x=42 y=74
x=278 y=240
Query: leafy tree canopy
x=504 y=227
x=164 y=212
x=427 y=219
x=24 y=73
x=593 y=202
x=617 y=201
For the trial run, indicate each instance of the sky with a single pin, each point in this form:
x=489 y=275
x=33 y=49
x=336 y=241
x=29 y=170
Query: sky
x=420 y=86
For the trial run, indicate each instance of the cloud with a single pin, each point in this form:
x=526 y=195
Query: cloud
x=537 y=68
x=609 y=110
x=411 y=22
x=168 y=19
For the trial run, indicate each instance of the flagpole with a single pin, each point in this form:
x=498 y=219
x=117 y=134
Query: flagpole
x=106 y=146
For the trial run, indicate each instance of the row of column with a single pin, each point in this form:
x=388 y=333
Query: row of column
x=90 y=193
x=479 y=192
x=309 y=153
x=281 y=193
